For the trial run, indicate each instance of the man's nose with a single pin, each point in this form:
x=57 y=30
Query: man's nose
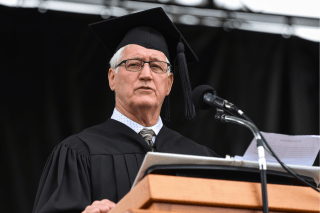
x=146 y=72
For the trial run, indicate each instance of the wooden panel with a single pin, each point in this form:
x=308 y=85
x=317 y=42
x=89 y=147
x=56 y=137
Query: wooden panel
x=171 y=207
x=232 y=194
x=217 y=193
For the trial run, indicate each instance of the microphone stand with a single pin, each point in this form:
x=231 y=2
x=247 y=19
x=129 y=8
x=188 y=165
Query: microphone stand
x=221 y=117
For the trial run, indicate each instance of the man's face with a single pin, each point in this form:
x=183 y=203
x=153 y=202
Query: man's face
x=143 y=89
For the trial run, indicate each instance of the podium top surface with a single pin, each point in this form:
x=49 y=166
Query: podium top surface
x=156 y=158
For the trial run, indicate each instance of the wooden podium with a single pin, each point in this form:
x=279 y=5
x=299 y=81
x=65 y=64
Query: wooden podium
x=161 y=193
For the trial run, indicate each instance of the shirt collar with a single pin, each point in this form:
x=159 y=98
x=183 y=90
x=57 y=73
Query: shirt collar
x=134 y=125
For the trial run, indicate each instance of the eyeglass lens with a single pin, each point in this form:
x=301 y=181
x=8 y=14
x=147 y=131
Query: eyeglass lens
x=156 y=66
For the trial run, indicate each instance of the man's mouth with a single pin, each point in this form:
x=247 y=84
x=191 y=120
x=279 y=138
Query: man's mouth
x=145 y=88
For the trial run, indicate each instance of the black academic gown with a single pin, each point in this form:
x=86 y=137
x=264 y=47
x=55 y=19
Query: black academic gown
x=99 y=163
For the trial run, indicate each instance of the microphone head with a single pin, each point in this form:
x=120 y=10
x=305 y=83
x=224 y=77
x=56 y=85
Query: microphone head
x=197 y=96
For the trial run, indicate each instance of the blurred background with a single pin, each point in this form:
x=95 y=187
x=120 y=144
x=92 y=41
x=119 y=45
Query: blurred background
x=263 y=56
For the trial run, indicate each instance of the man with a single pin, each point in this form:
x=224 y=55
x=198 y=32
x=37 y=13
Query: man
x=93 y=170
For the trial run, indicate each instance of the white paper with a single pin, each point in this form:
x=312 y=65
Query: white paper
x=157 y=158
x=237 y=157
x=293 y=150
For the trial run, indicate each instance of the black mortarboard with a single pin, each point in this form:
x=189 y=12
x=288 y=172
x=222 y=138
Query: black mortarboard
x=151 y=29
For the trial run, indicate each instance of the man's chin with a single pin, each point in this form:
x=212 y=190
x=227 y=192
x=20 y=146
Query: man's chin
x=145 y=104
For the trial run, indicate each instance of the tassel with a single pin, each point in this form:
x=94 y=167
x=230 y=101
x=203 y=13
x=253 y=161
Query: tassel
x=189 y=111
x=166 y=108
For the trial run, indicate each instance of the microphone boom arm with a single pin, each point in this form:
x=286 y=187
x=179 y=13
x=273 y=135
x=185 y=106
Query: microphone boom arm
x=256 y=133
x=254 y=130
x=220 y=116
x=236 y=120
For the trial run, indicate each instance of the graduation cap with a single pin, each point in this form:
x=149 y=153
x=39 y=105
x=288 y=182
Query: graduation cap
x=151 y=29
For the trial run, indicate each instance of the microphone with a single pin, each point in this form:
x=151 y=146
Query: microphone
x=205 y=97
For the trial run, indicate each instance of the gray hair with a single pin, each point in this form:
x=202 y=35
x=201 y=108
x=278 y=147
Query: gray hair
x=116 y=58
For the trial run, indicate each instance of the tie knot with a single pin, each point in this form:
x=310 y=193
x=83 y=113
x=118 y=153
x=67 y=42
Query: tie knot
x=147 y=134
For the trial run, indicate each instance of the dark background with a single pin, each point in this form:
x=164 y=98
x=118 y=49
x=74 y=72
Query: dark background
x=54 y=83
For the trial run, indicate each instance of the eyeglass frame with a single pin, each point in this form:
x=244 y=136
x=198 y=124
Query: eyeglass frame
x=148 y=62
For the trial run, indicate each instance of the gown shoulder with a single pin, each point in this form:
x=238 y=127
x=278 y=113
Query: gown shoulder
x=65 y=180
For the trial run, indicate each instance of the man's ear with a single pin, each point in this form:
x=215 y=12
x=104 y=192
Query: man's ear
x=170 y=82
x=111 y=77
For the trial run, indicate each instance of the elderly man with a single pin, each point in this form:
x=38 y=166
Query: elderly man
x=93 y=170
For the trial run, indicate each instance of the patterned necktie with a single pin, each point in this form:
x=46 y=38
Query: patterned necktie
x=147 y=135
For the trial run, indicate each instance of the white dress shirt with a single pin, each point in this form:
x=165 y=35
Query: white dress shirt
x=134 y=125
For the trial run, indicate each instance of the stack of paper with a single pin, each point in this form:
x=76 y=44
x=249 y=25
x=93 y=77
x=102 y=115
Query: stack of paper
x=292 y=150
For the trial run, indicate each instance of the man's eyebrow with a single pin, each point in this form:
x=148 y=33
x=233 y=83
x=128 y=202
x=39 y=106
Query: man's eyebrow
x=151 y=58
x=137 y=57
x=156 y=59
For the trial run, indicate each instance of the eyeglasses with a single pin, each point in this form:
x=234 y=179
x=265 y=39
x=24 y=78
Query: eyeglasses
x=135 y=65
